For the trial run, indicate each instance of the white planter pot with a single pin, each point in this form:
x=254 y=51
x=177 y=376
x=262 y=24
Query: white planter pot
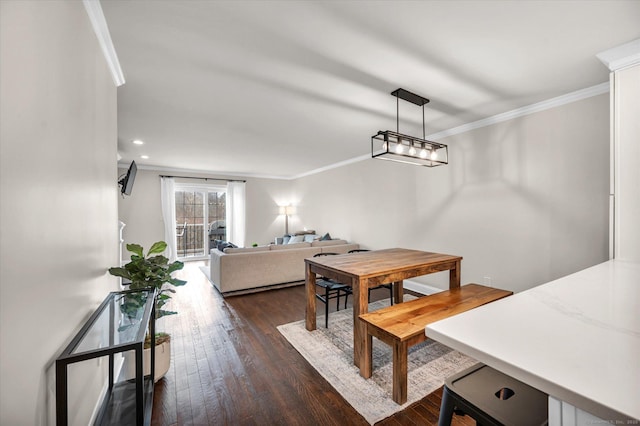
x=163 y=361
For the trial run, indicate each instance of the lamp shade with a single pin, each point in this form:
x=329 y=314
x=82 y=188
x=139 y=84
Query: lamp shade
x=287 y=210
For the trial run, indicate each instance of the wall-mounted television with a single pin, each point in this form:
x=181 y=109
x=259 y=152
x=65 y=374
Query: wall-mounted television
x=126 y=183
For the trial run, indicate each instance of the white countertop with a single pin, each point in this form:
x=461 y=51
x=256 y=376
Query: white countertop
x=576 y=338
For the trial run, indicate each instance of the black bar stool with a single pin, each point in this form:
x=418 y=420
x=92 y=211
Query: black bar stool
x=492 y=399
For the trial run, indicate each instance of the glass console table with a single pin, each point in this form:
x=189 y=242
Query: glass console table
x=118 y=325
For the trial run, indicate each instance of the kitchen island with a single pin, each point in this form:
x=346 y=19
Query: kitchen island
x=576 y=339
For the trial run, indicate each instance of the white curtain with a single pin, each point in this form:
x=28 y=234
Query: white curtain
x=168 y=200
x=236 y=213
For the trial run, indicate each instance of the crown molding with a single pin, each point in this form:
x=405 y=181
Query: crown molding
x=332 y=166
x=99 y=24
x=525 y=110
x=163 y=169
x=622 y=56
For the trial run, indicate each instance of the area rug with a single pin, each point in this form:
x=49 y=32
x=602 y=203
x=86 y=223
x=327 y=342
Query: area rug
x=330 y=352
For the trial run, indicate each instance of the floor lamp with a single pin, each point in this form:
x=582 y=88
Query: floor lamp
x=287 y=211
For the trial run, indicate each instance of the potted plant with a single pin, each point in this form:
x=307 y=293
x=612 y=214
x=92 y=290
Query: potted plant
x=152 y=270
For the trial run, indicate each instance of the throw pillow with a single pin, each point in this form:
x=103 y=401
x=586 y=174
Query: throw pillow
x=296 y=239
x=325 y=237
x=224 y=244
x=309 y=238
x=285 y=239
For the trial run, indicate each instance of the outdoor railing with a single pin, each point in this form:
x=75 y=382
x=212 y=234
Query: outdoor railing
x=191 y=239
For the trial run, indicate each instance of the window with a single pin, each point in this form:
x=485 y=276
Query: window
x=200 y=218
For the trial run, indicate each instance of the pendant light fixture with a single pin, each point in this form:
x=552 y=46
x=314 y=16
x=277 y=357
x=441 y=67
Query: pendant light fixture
x=394 y=146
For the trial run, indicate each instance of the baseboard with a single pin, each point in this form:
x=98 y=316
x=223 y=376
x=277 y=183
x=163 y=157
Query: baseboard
x=420 y=288
x=407 y=284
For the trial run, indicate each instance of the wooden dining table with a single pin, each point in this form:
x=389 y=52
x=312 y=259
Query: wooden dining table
x=369 y=269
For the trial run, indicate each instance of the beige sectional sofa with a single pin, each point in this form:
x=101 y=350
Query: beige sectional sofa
x=244 y=270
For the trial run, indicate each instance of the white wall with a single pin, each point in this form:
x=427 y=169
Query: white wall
x=58 y=213
x=142 y=214
x=524 y=201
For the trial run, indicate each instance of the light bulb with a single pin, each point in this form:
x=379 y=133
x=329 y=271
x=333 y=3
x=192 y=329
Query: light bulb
x=434 y=155
x=412 y=151
x=423 y=153
x=384 y=146
x=399 y=148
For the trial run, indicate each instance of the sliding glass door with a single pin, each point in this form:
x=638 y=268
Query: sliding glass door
x=200 y=218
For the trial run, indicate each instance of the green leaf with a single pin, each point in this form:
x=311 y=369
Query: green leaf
x=125 y=327
x=158 y=260
x=177 y=282
x=136 y=249
x=158 y=247
x=119 y=272
x=175 y=266
x=161 y=313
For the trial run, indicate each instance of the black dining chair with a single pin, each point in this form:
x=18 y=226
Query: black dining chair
x=332 y=290
x=389 y=286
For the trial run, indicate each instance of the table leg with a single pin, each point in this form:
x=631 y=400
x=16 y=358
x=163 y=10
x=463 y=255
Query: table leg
x=454 y=276
x=310 y=287
x=360 y=306
x=398 y=292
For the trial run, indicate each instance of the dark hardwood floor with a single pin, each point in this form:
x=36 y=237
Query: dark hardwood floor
x=230 y=365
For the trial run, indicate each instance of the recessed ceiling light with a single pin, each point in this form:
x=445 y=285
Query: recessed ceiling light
x=144 y=157
x=138 y=142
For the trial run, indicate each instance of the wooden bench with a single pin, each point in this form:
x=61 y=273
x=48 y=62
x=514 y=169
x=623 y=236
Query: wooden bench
x=403 y=325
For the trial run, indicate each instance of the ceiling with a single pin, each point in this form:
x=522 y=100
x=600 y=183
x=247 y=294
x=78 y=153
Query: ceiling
x=281 y=88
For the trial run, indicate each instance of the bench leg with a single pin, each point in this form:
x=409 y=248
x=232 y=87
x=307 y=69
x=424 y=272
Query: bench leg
x=366 y=367
x=400 y=350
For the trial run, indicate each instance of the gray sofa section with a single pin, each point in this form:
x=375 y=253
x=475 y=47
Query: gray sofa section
x=244 y=270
